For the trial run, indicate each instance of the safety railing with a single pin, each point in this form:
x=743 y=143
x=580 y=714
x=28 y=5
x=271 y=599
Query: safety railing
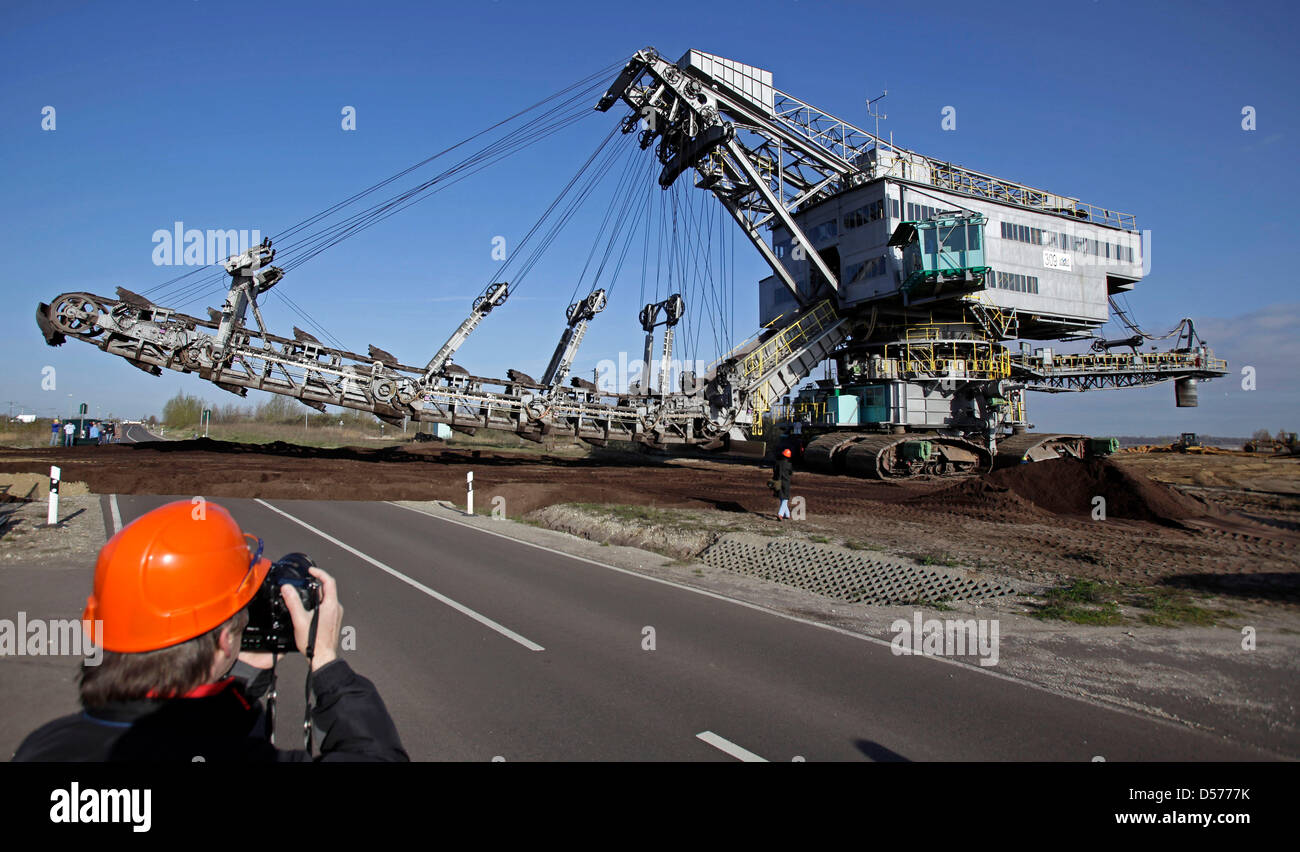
x=959 y=179
x=743 y=345
x=789 y=340
x=759 y=402
x=979 y=359
x=1126 y=362
x=809 y=412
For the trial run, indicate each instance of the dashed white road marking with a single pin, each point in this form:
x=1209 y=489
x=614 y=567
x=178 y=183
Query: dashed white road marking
x=114 y=513
x=729 y=747
x=438 y=596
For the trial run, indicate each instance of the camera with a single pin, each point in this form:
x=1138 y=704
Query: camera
x=270 y=627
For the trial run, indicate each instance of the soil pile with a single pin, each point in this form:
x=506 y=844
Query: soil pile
x=1070 y=487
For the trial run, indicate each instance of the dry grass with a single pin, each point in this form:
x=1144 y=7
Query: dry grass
x=15 y=434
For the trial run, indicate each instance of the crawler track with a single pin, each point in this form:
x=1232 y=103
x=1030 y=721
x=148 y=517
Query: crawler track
x=1034 y=447
x=897 y=456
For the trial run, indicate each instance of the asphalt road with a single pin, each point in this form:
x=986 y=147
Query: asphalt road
x=484 y=647
x=136 y=434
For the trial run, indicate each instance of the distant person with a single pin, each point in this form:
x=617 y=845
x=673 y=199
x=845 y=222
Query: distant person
x=69 y=435
x=781 y=473
x=56 y=430
x=94 y=433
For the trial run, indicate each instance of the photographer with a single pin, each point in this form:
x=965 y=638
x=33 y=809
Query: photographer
x=173 y=594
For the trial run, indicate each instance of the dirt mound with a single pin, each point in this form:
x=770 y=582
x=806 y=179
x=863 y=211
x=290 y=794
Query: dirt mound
x=26 y=487
x=1070 y=487
x=408 y=453
x=982 y=499
x=281 y=448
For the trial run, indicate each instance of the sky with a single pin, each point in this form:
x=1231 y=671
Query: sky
x=229 y=115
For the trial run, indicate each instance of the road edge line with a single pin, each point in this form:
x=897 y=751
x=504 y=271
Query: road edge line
x=1180 y=724
x=438 y=596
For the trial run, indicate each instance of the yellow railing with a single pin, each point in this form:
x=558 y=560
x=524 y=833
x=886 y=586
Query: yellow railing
x=1149 y=360
x=784 y=343
x=758 y=399
x=742 y=345
x=1001 y=320
x=979 y=358
x=816 y=412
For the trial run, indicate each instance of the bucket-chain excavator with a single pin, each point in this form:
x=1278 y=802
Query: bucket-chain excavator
x=910 y=276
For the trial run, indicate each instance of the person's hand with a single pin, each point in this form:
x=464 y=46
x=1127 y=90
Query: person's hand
x=257 y=659
x=328 y=627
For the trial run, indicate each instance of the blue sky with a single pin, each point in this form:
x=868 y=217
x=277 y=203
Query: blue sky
x=227 y=115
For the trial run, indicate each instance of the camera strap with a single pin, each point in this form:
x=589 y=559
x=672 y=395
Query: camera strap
x=310 y=652
x=307 y=702
x=270 y=703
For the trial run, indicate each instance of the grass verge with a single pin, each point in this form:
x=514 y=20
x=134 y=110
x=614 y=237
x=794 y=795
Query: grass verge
x=1093 y=602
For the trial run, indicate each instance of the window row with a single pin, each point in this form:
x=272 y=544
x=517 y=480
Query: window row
x=917 y=212
x=869 y=213
x=823 y=232
x=1018 y=283
x=869 y=268
x=820 y=234
x=1096 y=248
x=1066 y=242
x=1022 y=233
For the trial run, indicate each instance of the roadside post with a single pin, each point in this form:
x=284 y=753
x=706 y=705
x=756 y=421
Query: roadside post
x=469 y=491
x=53 y=516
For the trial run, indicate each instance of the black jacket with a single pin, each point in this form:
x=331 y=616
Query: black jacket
x=226 y=725
x=781 y=472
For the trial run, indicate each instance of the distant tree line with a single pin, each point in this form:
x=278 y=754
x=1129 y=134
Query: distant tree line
x=186 y=411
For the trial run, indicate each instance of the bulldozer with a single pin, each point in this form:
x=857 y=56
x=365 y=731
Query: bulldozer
x=1284 y=443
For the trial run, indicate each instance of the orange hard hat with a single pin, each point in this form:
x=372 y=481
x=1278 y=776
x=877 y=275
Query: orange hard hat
x=786 y=452
x=172 y=574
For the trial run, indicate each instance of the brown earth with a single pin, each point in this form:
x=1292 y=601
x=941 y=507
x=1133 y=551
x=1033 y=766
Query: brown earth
x=1070 y=487
x=1034 y=521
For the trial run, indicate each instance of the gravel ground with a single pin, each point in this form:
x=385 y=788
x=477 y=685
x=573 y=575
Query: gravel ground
x=25 y=539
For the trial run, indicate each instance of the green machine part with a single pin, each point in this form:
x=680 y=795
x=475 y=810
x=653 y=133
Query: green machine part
x=916 y=450
x=875 y=404
x=1102 y=446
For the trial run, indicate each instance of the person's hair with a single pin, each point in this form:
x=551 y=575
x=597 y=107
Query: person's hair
x=164 y=673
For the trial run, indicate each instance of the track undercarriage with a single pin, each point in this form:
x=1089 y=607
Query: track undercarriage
x=897 y=456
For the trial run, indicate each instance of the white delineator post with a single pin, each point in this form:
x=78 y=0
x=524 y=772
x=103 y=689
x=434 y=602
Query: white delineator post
x=53 y=515
x=469 y=492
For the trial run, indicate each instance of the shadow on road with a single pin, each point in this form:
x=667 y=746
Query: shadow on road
x=878 y=753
